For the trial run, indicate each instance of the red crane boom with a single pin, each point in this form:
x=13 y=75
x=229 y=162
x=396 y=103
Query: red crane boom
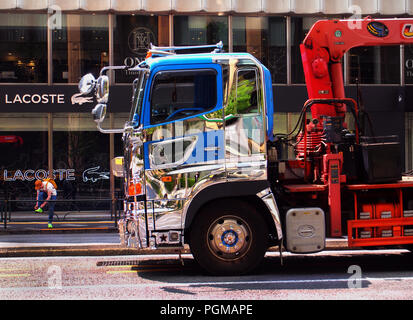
x=322 y=53
x=325 y=45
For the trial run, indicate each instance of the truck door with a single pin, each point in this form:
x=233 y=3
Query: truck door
x=245 y=132
x=180 y=143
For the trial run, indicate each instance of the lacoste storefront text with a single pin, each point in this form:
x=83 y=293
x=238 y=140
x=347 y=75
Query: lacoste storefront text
x=35 y=98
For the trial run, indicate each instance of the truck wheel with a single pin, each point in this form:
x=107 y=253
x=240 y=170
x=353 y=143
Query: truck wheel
x=229 y=238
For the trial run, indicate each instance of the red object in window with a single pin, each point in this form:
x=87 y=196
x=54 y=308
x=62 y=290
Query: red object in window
x=11 y=139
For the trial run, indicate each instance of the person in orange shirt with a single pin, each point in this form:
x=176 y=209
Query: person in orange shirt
x=45 y=192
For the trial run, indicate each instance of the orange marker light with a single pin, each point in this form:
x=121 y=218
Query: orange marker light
x=134 y=189
x=166 y=179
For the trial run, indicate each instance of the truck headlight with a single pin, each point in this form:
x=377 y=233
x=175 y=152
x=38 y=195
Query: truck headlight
x=99 y=112
x=102 y=90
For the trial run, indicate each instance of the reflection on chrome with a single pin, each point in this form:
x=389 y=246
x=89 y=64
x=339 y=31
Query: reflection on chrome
x=187 y=156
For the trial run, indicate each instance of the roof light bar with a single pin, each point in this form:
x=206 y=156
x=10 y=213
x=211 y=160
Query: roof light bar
x=166 y=50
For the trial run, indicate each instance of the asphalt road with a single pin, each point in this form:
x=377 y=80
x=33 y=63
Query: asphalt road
x=332 y=275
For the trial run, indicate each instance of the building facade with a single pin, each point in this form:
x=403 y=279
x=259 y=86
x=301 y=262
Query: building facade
x=47 y=45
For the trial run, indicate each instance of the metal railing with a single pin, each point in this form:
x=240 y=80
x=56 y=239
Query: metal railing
x=74 y=210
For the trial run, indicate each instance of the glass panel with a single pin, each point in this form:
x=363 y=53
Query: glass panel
x=23 y=49
x=200 y=30
x=137 y=100
x=409 y=142
x=265 y=38
x=133 y=35
x=180 y=94
x=23 y=145
x=81 y=46
x=80 y=149
x=408 y=64
x=247 y=99
x=375 y=65
x=299 y=29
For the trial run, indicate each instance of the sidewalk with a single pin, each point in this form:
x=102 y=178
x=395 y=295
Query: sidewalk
x=24 y=222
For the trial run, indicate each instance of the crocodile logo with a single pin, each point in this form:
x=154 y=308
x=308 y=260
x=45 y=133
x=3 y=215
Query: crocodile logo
x=79 y=99
x=92 y=174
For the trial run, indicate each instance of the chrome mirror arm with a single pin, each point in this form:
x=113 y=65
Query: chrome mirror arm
x=109 y=130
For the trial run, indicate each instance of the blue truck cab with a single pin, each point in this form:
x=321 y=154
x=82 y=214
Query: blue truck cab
x=195 y=164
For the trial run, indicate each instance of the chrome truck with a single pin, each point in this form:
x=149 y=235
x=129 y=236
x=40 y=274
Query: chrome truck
x=195 y=166
x=203 y=167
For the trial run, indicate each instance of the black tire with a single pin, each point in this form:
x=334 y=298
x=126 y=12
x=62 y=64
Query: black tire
x=229 y=238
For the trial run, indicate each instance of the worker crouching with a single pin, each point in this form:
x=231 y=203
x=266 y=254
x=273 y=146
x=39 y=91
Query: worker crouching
x=46 y=194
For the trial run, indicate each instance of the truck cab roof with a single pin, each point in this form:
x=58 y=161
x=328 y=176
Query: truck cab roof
x=191 y=59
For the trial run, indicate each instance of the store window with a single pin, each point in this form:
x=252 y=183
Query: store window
x=80 y=46
x=409 y=142
x=375 y=65
x=200 y=30
x=24 y=150
x=83 y=152
x=408 y=64
x=299 y=29
x=23 y=49
x=133 y=35
x=265 y=38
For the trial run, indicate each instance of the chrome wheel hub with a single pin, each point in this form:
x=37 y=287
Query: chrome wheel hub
x=229 y=238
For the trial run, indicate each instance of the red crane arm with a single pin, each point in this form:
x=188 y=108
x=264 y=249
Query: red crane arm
x=325 y=45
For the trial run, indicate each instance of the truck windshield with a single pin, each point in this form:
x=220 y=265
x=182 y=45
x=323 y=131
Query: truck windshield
x=138 y=90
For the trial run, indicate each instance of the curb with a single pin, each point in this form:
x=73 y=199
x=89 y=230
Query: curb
x=81 y=250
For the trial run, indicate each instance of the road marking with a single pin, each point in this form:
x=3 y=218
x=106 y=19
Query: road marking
x=166 y=266
x=11 y=269
x=140 y=270
x=9 y=275
x=124 y=266
x=121 y=271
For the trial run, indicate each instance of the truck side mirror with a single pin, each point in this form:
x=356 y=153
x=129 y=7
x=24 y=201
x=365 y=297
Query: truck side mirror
x=87 y=83
x=99 y=113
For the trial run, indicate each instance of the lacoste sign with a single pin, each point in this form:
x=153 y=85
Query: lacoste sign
x=57 y=98
x=43 y=98
x=34 y=98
